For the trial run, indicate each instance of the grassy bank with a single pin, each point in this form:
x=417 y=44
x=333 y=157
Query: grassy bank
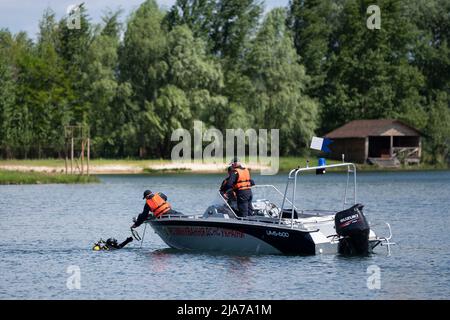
x=18 y=177
x=289 y=163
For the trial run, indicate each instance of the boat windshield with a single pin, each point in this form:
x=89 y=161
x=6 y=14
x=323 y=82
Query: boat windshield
x=267 y=200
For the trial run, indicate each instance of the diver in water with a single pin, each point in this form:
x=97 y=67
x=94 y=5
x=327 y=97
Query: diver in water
x=110 y=244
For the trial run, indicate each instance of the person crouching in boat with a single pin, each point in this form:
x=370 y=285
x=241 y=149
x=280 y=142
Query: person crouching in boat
x=157 y=204
x=241 y=182
x=228 y=194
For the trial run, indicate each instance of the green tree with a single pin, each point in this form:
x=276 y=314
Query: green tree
x=7 y=93
x=192 y=82
x=198 y=15
x=431 y=54
x=225 y=25
x=278 y=99
x=48 y=88
x=313 y=24
x=140 y=65
x=234 y=22
x=71 y=46
x=143 y=47
x=221 y=63
x=17 y=122
x=102 y=76
x=438 y=128
x=370 y=74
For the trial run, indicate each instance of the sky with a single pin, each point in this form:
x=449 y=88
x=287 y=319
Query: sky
x=24 y=15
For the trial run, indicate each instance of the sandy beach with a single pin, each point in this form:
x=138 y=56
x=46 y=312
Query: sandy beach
x=130 y=168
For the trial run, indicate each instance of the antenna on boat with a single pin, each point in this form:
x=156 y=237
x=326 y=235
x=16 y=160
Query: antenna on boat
x=343 y=158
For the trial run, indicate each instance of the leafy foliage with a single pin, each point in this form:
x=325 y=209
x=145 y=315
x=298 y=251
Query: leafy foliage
x=305 y=69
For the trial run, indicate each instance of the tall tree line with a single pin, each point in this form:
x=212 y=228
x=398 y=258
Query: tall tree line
x=305 y=69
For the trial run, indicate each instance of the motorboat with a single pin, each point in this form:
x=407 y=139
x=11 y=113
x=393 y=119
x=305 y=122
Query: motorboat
x=276 y=226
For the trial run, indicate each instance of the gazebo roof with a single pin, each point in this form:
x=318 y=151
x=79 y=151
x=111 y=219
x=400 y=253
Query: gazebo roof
x=378 y=127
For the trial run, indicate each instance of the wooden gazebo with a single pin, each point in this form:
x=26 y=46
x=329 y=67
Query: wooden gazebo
x=384 y=142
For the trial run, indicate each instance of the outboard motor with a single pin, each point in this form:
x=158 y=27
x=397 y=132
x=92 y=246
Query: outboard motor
x=352 y=226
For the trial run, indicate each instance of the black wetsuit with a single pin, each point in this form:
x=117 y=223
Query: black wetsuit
x=243 y=197
x=121 y=245
x=111 y=244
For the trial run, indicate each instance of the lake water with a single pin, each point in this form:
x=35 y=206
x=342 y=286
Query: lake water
x=45 y=229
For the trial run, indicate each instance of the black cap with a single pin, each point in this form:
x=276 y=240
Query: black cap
x=146 y=193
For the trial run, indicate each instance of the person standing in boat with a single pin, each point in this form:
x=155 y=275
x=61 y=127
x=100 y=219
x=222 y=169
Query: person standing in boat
x=157 y=204
x=241 y=182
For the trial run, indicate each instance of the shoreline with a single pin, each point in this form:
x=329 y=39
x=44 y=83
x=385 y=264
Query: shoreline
x=16 y=172
x=104 y=169
x=123 y=166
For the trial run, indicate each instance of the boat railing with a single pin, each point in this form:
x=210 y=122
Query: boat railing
x=277 y=190
x=255 y=218
x=293 y=176
x=252 y=218
x=228 y=205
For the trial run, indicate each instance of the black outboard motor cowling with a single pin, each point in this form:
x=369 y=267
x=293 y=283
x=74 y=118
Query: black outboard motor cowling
x=352 y=226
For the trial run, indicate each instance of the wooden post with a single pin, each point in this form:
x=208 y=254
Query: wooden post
x=391 y=151
x=88 y=154
x=366 y=149
x=65 y=155
x=82 y=157
x=420 y=148
x=71 y=156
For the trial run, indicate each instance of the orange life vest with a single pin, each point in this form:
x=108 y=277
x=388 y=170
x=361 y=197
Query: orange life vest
x=158 y=205
x=243 y=180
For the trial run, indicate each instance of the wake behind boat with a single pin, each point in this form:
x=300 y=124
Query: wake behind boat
x=275 y=228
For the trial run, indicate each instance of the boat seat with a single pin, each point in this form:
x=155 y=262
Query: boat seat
x=287 y=213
